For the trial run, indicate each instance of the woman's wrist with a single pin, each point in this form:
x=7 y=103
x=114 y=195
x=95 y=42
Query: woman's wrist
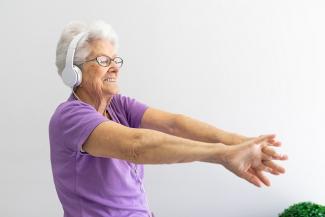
x=218 y=153
x=238 y=139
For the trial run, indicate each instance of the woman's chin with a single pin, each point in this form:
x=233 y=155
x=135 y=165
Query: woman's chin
x=111 y=91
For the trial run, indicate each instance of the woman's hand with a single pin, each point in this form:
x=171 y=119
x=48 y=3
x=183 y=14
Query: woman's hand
x=250 y=159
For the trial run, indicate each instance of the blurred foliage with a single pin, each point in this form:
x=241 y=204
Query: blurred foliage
x=304 y=209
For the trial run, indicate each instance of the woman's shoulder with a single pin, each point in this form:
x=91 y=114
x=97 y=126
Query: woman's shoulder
x=118 y=100
x=72 y=108
x=122 y=99
x=73 y=105
x=123 y=102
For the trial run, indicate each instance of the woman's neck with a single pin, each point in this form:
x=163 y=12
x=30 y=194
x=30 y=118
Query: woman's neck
x=99 y=104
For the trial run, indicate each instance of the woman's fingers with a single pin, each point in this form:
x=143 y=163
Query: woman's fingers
x=266 y=157
x=248 y=176
x=275 y=143
x=273 y=166
x=256 y=175
x=273 y=154
x=259 y=174
x=264 y=168
x=263 y=178
x=269 y=170
x=261 y=139
x=270 y=140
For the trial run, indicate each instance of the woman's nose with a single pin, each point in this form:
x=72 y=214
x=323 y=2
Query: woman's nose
x=113 y=69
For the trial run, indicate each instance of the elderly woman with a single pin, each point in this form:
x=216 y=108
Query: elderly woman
x=100 y=139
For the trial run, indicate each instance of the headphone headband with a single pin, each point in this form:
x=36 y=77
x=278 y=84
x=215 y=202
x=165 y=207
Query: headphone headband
x=72 y=49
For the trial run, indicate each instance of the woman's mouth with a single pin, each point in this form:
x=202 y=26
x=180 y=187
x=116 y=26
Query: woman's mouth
x=110 y=80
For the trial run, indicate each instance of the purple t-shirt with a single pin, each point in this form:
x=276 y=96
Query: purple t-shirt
x=90 y=186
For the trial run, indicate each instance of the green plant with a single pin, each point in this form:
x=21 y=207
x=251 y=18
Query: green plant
x=304 y=209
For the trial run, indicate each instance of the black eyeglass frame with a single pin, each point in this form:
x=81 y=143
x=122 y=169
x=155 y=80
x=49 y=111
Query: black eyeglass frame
x=109 y=63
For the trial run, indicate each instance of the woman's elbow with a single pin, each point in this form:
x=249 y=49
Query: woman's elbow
x=134 y=148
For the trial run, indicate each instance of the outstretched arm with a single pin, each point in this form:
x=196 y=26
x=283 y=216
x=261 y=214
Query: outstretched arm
x=187 y=127
x=248 y=160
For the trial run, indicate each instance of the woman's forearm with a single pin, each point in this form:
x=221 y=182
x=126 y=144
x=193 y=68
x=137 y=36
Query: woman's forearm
x=190 y=128
x=154 y=147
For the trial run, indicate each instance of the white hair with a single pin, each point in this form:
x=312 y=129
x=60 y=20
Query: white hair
x=93 y=31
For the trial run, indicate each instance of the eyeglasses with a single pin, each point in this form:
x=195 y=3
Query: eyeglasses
x=105 y=61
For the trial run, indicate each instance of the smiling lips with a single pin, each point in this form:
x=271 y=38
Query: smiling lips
x=110 y=79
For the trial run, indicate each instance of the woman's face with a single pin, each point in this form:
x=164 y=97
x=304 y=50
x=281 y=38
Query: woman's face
x=97 y=80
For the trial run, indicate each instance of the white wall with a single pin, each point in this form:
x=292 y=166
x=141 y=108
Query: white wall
x=251 y=67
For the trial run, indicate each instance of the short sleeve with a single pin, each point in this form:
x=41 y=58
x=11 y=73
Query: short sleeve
x=72 y=123
x=134 y=110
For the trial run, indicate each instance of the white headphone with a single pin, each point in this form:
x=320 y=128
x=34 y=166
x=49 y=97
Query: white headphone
x=71 y=74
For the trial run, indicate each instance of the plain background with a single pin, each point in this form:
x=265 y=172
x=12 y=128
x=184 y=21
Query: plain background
x=251 y=67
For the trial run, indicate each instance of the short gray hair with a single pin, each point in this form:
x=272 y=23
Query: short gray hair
x=96 y=30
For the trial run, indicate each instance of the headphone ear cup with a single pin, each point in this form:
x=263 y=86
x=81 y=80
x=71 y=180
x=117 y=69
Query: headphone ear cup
x=69 y=76
x=78 y=72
